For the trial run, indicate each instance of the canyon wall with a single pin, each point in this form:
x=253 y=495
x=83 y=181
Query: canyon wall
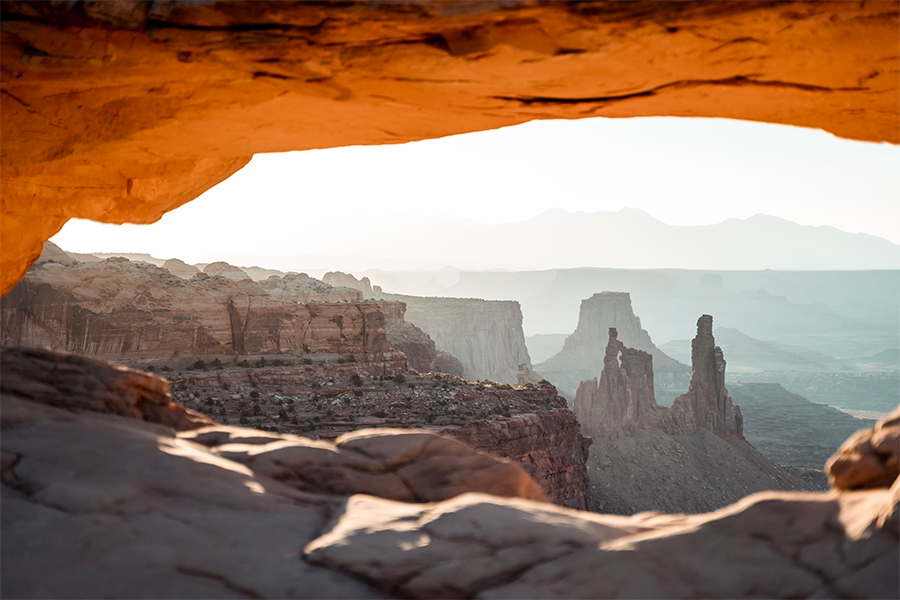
x=583 y=354
x=485 y=335
x=128 y=310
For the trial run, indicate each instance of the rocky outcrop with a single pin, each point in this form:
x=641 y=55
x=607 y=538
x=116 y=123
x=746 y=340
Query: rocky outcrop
x=127 y=310
x=444 y=362
x=233 y=512
x=623 y=401
x=528 y=425
x=869 y=459
x=486 y=336
x=300 y=288
x=339 y=279
x=76 y=147
x=407 y=338
x=179 y=268
x=691 y=457
x=707 y=404
x=584 y=354
x=55 y=254
x=225 y=270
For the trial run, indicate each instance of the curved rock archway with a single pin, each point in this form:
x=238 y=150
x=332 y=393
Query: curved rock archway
x=121 y=111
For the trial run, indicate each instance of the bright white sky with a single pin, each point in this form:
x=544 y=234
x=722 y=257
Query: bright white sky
x=681 y=171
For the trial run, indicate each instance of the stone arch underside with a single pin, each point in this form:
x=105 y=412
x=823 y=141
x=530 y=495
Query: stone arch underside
x=122 y=111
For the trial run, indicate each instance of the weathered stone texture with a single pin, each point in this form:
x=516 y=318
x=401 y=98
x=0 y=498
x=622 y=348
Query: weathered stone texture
x=102 y=505
x=122 y=111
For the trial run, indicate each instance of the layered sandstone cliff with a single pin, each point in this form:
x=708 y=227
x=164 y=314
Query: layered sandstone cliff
x=221 y=511
x=485 y=335
x=128 y=310
x=583 y=354
x=300 y=288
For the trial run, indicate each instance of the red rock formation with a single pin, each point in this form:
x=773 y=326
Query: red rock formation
x=444 y=362
x=116 y=111
x=300 y=288
x=707 y=403
x=869 y=459
x=583 y=354
x=129 y=310
x=623 y=400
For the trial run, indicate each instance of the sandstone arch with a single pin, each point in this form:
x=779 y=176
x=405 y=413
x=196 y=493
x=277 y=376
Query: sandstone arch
x=121 y=111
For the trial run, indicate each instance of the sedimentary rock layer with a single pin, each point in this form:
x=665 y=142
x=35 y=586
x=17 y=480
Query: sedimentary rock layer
x=231 y=512
x=123 y=309
x=529 y=425
x=583 y=356
x=485 y=335
x=115 y=111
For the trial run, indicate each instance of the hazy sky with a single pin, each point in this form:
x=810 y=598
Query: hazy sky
x=681 y=171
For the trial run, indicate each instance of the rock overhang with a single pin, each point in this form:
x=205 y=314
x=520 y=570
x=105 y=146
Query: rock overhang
x=120 y=112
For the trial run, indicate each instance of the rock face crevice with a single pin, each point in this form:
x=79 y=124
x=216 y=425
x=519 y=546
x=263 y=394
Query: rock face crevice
x=363 y=73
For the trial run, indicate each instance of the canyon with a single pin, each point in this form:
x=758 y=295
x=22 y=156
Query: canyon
x=583 y=353
x=691 y=457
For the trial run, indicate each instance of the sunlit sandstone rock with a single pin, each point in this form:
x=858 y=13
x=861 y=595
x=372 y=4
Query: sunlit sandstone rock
x=98 y=505
x=121 y=111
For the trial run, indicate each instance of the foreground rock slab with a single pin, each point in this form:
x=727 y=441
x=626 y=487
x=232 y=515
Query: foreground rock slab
x=104 y=504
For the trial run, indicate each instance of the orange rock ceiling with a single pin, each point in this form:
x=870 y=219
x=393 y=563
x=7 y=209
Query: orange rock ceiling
x=120 y=111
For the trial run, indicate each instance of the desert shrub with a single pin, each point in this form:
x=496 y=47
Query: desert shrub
x=244 y=364
x=225 y=385
x=199 y=365
x=278 y=363
x=351 y=359
x=399 y=378
x=358 y=393
x=254 y=394
x=380 y=414
x=307 y=361
x=208 y=402
x=243 y=420
x=165 y=368
x=257 y=410
x=151 y=368
x=356 y=380
x=411 y=385
x=216 y=363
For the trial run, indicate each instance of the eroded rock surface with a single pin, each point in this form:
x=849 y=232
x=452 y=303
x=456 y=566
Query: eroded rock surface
x=129 y=310
x=869 y=459
x=115 y=111
x=584 y=353
x=101 y=505
x=486 y=336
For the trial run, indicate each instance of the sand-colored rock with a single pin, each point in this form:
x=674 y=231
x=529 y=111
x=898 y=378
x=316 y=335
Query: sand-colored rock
x=225 y=270
x=869 y=459
x=101 y=505
x=486 y=336
x=179 y=268
x=121 y=111
x=339 y=279
x=300 y=287
x=128 y=310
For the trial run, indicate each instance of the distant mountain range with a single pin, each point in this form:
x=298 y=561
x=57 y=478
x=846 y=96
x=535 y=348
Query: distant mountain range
x=627 y=239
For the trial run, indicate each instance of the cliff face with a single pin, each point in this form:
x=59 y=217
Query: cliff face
x=528 y=425
x=485 y=335
x=123 y=309
x=583 y=354
x=418 y=347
